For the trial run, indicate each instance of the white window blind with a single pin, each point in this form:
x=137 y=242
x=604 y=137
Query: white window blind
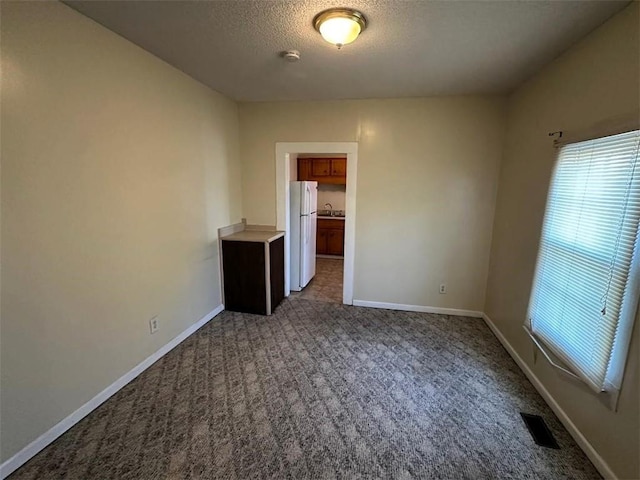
x=585 y=289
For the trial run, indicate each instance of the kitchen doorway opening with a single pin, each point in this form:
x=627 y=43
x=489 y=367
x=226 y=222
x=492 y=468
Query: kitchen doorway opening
x=286 y=166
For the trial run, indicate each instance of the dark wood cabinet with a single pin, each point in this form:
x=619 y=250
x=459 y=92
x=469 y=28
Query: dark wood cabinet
x=276 y=271
x=323 y=170
x=253 y=270
x=330 y=237
x=335 y=241
x=321 y=240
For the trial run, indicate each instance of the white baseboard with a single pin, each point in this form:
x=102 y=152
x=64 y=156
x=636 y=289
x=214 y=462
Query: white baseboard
x=418 y=308
x=24 y=455
x=587 y=448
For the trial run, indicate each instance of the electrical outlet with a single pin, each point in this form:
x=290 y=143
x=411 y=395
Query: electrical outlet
x=443 y=288
x=153 y=324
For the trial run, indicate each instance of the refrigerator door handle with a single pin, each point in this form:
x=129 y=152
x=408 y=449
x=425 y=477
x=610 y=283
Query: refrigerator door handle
x=304 y=231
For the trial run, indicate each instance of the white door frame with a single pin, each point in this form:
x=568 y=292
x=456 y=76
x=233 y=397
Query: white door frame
x=285 y=154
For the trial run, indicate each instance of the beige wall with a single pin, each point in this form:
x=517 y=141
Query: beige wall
x=427 y=176
x=117 y=170
x=595 y=80
x=333 y=194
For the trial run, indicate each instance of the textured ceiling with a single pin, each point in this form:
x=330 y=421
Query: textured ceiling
x=409 y=49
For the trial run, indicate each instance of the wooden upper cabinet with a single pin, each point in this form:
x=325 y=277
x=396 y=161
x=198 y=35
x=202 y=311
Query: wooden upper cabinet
x=321 y=167
x=304 y=169
x=323 y=170
x=339 y=167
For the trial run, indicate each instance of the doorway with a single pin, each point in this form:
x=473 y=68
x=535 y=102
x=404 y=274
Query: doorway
x=286 y=156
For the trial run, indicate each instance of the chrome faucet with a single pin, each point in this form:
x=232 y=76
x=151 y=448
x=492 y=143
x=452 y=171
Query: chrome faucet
x=330 y=206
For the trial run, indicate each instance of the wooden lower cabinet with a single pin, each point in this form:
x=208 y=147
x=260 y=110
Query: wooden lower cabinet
x=321 y=240
x=335 y=242
x=330 y=237
x=253 y=275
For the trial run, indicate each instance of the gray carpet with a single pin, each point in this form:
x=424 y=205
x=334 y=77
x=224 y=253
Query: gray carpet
x=320 y=391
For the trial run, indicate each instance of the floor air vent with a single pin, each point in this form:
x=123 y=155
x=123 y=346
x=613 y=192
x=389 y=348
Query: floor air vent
x=539 y=430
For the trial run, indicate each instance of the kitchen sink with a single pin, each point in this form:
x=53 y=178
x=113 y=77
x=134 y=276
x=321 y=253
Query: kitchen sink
x=331 y=213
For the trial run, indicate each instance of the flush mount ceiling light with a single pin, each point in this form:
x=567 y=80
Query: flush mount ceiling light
x=340 y=26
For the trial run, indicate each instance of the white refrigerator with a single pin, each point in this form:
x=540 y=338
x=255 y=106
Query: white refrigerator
x=304 y=202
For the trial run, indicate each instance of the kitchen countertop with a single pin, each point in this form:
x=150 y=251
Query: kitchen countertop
x=255 y=236
x=324 y=217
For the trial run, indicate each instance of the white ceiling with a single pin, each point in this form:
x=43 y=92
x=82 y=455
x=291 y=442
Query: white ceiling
x=409 y=49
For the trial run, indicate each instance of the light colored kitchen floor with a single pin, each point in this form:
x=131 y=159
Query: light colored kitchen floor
x=327 y=283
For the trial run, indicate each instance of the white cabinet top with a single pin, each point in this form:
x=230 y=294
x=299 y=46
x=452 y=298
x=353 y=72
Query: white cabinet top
x=261 y=236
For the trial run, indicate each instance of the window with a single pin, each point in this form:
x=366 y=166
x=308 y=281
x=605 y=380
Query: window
x=586 y=285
